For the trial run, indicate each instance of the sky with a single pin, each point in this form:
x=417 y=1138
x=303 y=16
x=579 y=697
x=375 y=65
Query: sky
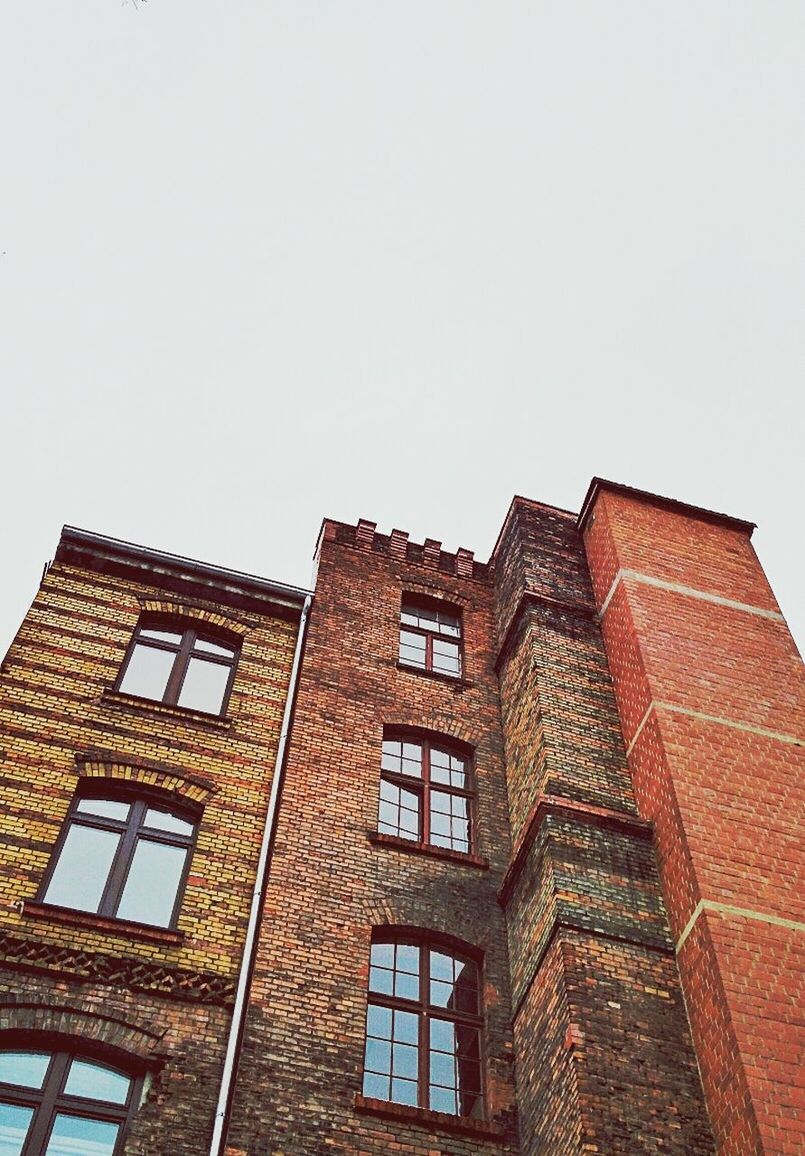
x=266 y=262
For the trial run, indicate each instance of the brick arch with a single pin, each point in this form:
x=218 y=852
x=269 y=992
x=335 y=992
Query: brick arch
x=188 y=611
x=81 y=1026
x=187 y=786
x=437 y=723
x=408 y=913
x=433 y=588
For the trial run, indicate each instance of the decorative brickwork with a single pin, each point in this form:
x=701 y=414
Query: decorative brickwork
x=63 y=725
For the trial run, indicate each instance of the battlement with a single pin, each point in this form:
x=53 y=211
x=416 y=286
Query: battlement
x=429 y=554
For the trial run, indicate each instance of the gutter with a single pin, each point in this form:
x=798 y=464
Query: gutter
x=236 y=1029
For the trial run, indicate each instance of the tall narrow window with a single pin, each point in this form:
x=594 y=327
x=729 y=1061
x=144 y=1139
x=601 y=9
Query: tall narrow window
x=58 y=1104
x=122 y=857
x=183 y=666
x=423 y=1027
x=430 y=637
x=426 y=792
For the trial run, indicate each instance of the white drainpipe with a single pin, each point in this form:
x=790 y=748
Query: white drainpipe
x=250 y=945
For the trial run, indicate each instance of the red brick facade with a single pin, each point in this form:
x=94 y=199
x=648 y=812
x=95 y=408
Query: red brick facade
x=630 y=705
x=710 y=692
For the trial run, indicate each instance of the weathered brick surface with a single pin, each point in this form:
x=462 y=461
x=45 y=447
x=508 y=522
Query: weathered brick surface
x=600 y=1027
x=329 y=886
x=710 y=692
x=60 y=723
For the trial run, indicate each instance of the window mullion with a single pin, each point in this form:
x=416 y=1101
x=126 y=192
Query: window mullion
x=43 y=1115
x=113 y=892
x=423 y=1096
x=179 y=669
x=426 y=792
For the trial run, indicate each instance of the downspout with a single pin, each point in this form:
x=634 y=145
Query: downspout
x=249 y=948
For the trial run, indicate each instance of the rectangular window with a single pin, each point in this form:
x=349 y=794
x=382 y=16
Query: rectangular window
x=430 y=637
x=181 y=667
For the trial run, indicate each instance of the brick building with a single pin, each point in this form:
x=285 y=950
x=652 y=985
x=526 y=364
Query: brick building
x=522 y=880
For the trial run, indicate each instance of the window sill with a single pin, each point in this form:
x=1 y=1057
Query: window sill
x=380 y=839
x=150 y=706
x=52 y=914
x=453 y=680
x=427 y=1119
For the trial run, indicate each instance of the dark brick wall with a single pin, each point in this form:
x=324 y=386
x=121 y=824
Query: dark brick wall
x=329 y=885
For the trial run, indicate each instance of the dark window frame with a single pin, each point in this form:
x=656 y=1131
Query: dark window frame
x=425 y=785
x=191 y=633
x=51 y=1099
x=411 y=603
x=132 y=830
x=428 y=941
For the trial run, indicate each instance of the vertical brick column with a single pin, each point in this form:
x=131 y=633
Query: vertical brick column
x=604 y=1057
x=710 y=693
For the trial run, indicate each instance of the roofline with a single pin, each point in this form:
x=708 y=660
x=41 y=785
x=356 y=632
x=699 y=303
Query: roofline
x=528 y=502
x=179 y=566
x=672 y=504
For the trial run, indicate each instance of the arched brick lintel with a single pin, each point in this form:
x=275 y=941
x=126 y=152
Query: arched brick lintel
x=187 y=610
x=133 y=1045
x=191 y=787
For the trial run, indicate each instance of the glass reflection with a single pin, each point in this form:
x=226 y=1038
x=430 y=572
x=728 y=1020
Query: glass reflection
x=152 y=883
x=83 y=868
x=77 y=1136
x=204 y=686
x=25 y=1069
x=97 y=1082
x=148 y=672
x=14 y=1122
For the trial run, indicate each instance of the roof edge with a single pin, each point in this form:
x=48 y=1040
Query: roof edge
x=132 y=555
x=672 y=504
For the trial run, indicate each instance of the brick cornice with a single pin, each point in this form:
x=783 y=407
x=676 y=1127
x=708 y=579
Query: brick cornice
x=531 y=599
x=587 y=813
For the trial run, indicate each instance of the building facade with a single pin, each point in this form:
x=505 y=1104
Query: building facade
x=451 y=858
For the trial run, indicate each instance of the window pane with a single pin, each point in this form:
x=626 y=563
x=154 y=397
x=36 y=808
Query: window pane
x=443 y=1069
x=403 y=1092
x=97 y=1083
x=204 y=686
x=376 y=1087
x=381 y=980
x=405 y=1061
x=77 y=1136
x=442 y=966
x=213 y=648
x=25 y=1069
x=382 y=955
x=162 y=636
x=83 y=868
x=378 y=1021
x=392 y=752
x=147 y=672
x=443 y=1100
x=14 y=1123
x=378 y=1055
x=406 y=1027
x=406 y=986
x=407 y=958
x=443 y=1036
x=152 y=883
x=445 y=657
x=105 y=808
x=164 y=821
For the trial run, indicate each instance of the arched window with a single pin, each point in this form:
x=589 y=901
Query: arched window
x=423 y=1026
x=123 y=856
x=179 y=663
x=61 y=1104
x=426 y=791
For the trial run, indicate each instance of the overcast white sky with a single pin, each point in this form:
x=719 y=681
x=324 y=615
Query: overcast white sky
x=263 y=262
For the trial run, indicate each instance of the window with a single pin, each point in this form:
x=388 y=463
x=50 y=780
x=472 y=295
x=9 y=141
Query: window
x=58 y=1104
x=184 y=667
x=423 y=1027
x=430 y=637
x=425 y=793
x=122 y=857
